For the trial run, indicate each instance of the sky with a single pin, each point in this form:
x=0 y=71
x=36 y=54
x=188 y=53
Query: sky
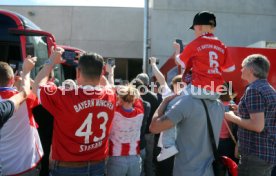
x=112 y=3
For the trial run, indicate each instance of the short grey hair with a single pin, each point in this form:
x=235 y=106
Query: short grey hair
x=144 y=78
x=259 y=64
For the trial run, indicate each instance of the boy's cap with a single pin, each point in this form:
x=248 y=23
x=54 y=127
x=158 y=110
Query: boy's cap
x=204 y=18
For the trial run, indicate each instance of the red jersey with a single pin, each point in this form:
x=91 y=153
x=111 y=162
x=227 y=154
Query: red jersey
x=82 y=121
x=207 y=56
x=126 y=129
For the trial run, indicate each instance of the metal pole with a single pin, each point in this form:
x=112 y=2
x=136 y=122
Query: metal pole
x=145 y=40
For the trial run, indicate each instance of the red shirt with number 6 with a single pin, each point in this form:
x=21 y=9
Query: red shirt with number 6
x=207 y=56
x=82 y=121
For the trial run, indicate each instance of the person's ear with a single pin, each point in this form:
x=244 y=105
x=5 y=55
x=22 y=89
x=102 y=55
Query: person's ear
x=11 y=82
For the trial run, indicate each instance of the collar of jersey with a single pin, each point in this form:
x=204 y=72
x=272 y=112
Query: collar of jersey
x=89 y=87
x=7 y=89
x=208 y=34
x=127 y=110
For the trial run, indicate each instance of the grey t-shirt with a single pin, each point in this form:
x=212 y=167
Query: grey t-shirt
x=195 y=153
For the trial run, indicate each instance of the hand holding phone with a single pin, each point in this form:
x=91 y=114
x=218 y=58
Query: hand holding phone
x=111 y=61
x=179 y=41
x=153 y=60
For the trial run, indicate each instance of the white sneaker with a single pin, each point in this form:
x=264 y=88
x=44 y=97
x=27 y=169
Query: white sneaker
x=167 y=153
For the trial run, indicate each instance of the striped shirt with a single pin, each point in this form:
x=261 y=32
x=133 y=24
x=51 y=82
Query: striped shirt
x=125 y=131
x=260 y=96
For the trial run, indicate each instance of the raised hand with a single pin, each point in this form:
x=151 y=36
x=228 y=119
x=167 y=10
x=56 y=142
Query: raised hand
x=152 y=60
x=28 y=64
x=176 y=47
x=55 y=57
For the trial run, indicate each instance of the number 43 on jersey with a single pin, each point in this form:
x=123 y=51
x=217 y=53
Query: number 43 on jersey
x=85 y=130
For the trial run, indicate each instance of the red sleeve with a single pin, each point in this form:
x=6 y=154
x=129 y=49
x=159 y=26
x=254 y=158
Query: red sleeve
x=228 y=65
x=186 y=54
x=32 y=100
x=138 y=104
x=49 y=96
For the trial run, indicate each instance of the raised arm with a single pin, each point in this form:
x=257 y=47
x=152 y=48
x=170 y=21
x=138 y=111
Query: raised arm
x=110 y=69
x=28 y=65
x=159 y=76
x=42 y=76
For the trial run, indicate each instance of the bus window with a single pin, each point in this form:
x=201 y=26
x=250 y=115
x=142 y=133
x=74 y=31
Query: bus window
x=39 y=48
x=10 y=49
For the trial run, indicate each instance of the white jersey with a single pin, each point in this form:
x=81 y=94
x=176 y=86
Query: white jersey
x=20 y=146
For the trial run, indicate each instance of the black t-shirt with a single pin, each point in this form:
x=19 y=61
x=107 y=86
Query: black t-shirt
x=6 y=111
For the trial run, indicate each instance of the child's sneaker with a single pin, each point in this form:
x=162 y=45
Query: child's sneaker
x=167 y=153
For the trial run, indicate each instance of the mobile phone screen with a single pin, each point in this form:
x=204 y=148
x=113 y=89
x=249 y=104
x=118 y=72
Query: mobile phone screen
x=226 y=109
x=68 y=55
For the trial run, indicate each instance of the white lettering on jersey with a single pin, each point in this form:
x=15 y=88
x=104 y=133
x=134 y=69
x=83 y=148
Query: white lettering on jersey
x=87 y=126
x=210 y=46
x=90 y=103
x=213 y=57
x=84 y=148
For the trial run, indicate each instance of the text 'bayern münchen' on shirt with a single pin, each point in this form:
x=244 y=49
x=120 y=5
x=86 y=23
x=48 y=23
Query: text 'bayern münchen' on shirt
x=82 y=121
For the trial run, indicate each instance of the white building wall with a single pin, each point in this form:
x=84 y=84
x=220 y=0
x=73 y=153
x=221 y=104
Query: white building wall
x=111 y=32
x=118 y=32
x=239 y=22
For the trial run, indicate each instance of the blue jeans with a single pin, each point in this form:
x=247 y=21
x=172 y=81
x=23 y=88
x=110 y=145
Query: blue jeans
x=124 y=165
x=143 y=157
x=169 y=137
x=89 y=170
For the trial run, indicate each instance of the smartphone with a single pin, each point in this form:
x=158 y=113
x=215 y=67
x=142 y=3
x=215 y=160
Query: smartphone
x=226 y=108
x=69 y=55
x=179 y=41
x=13 y=66
x=19 y=66
x=16 y=67
x=111 y=61
x=30 y=49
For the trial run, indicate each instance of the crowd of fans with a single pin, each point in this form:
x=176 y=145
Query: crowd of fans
x=89 y=126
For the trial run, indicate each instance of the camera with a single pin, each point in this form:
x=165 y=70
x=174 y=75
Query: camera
x=179 y=41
